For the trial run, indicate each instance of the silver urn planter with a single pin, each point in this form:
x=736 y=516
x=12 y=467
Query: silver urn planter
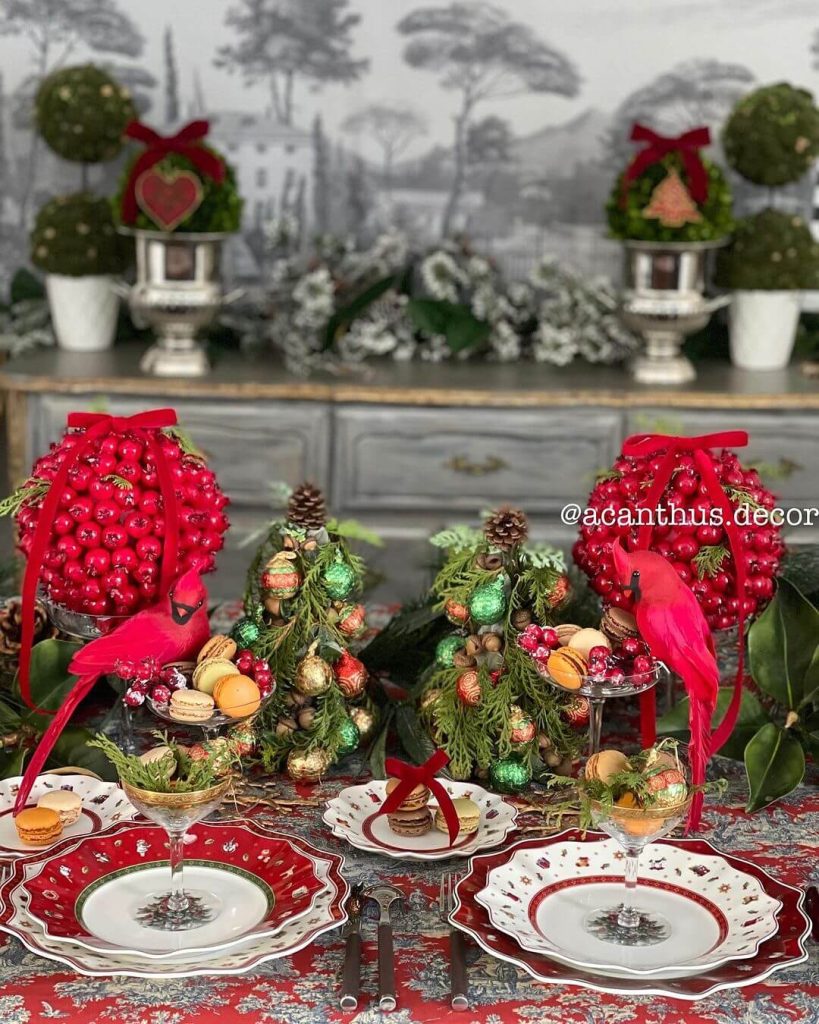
x=664 y=300
x=178 y=291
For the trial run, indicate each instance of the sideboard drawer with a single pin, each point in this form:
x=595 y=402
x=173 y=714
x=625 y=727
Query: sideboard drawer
x=398 y=458
x=248 y=446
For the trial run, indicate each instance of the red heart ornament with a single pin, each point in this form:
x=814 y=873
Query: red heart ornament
x=168 y=197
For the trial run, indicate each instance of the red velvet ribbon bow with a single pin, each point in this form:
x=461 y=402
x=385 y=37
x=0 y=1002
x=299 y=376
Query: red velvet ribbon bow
x=688 y=145
x=646 y=445
x=145 y=425
x=186 y=142
x=410 y=776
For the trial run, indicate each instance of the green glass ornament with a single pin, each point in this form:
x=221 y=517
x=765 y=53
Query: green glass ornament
x=339 y=581
x=487 y=603
x=350 y=738
x=509 y=775
x=246 y=632
x=446 y=650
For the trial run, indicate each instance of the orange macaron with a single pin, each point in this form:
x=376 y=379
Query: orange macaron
x=38 y=826
x=237 y=696
x=567 y=667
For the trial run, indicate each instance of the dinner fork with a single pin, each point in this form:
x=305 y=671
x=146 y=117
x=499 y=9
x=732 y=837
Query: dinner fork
x=459 y=999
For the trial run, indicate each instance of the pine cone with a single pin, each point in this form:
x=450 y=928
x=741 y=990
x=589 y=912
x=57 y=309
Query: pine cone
x=506 y=528
x=11 y=626
x=306 y=507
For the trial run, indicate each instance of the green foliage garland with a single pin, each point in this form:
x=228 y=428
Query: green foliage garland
x=75 y=235
x=627 y=220
x=476 y=736
x=220 y=209
x=772 y=135
x=770 y=251
x=81 y=112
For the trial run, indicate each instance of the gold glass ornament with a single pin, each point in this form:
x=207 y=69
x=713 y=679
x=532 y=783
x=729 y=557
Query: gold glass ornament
x=307 y=765
x=313 y=676
x=365 y=721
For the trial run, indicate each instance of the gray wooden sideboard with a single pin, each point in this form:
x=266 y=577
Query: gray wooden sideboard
x=408 y=448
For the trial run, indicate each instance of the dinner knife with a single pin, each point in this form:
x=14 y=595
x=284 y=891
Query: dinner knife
x=351 y=975
x=385 y=895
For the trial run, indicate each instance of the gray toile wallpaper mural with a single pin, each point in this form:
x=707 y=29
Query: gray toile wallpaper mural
x=506 y=120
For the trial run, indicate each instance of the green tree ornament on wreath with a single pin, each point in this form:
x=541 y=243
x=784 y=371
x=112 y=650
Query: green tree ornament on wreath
x=482 y=700
x=302 y=615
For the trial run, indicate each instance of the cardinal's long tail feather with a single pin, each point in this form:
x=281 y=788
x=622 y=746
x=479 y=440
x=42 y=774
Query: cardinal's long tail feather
x=699 y=722
x=49 y=738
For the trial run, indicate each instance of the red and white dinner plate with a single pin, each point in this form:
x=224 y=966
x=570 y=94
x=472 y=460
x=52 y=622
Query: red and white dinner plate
x=242 y=938
x=784 y=948
x=353 y=815
x=103 y=804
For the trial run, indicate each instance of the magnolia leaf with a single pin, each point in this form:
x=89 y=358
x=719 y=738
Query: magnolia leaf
x=343 y=317
x=774 y=764
x=378 y=750
x=72 y=749
x=751 y=716
x=413 y=735
x=50 y=679
x=352 y=529
x=11 y=762
x=782 y=646
x=455 y=321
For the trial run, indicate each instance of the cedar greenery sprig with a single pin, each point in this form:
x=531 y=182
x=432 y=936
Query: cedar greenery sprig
x=176 y=772
x=709 y=559
x=28 y=493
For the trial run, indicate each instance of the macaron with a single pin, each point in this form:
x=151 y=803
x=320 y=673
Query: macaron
x=567 y=667
x=218 y=646
x=469 y=816
x=417 y=797
x=410 y=823
x=191 y=706
x=605 y=764
x=158 y=754
x=584 y=639
x=618 y=624
x=38 y=826
x=237 y=696
x=65 y=802
x=208 y=673
x=565 y=631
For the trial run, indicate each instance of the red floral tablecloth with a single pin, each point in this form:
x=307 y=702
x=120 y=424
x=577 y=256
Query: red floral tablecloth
x=304 y=989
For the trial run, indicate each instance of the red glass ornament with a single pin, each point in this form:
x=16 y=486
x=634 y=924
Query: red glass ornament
x=350 y=674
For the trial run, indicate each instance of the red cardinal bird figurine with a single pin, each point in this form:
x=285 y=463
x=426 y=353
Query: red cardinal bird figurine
x=672 y=624
x=174 y=629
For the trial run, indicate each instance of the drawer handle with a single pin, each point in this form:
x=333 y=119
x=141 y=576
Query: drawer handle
x=462 y=464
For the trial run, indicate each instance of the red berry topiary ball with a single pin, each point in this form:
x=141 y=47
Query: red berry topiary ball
x=106 y=541
x=699 y=550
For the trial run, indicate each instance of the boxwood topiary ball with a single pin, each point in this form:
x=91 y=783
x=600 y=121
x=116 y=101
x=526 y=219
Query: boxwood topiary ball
x=81 y=112
x=772 y=136
x=75 y=235
x=770 y=251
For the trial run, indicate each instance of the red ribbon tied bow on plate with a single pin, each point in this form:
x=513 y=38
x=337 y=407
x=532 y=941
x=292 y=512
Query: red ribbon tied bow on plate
x=410 y=776
x=145 y=425
x=688 y=145
x=186 y=142
x=646 y=445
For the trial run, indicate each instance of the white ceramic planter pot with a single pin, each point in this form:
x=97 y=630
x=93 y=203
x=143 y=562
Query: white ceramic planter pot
x=763 y=328
x=83 y=311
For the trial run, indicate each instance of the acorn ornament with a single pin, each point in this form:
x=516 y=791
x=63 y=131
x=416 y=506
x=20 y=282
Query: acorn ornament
x=352 y=620
x=308 y=765
x=487 y=602
x=468 y=688
x=280 y=577
x=350 y=675
x=508 y=775
x=365 y=720
x=350 y=738
x=313 y=676
x=340 y=580
x=446 y=650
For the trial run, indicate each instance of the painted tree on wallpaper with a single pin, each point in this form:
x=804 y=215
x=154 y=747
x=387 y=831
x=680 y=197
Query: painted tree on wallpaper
x=172 y=109
x=391 y=127
x=480 y=52
x=53 y=32
x=280 y=41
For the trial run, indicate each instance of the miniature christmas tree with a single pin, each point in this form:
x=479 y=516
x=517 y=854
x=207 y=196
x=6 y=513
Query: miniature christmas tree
x=302 y=616
x=484 y=701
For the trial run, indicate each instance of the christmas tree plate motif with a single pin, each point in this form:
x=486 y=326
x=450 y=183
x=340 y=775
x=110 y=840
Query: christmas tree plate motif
x=542 y=898
x=85 y=892
x=353 y=815
x=783 y=949
x=103 y=804
x=326 y=912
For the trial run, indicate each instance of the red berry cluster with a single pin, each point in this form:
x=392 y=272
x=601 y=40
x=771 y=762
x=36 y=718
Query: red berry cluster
x=147 y=678
x=630 y=661
x=686 y=546
x=106 y=540
x=538 y=642
x=258 y=669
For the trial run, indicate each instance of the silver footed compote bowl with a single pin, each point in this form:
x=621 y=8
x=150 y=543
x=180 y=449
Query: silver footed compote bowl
x=633 y=827
x=177 y=908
